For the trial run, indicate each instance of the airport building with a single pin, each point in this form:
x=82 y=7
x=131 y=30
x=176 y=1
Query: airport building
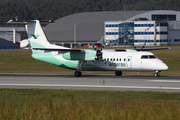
x=8 y=35
x=153 y=28
x=136 y=33
x=159 y=27
x=4 y=44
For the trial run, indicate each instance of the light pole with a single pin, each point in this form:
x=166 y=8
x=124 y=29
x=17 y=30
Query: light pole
x=75 y=35
x=124 y=10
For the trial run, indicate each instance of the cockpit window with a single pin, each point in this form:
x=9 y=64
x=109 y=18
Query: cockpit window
x=144 y=57
x=148 y=57
x=152 y=57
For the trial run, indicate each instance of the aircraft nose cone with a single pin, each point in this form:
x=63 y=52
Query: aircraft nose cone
x=164 y=66
x=160 y=65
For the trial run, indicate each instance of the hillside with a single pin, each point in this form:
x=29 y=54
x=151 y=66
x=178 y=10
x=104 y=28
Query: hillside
x=55 y=9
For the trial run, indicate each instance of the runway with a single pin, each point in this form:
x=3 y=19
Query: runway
x=91 y=82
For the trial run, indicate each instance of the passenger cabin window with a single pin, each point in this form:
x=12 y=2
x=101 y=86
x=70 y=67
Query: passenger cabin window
x=124 y=59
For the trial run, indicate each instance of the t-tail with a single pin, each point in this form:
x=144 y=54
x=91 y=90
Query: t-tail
x=36 y=35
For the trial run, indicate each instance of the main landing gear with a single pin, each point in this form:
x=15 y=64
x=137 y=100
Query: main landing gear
x=118 y=73
x=77 y=74
x=157 y=74
x=79 y=67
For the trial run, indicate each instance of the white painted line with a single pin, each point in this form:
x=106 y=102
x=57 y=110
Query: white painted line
x=94 y=86
x=163 y=81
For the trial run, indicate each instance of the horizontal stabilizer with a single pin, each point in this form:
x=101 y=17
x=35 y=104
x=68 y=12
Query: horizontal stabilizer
x=27 y=21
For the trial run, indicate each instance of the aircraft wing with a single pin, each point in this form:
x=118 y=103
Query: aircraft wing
x=59 y=50
x=147 y=49
x=140 y=49
x=73 y=54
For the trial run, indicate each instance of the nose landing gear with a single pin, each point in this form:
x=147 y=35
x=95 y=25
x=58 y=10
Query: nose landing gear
x=157 y=74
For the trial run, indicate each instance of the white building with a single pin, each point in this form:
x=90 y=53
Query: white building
x=136 y=32
x=9 y=36
x=161 y=27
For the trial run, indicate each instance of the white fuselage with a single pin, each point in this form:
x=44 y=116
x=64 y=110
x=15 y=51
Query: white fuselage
x=127 y=61
x=111 y=61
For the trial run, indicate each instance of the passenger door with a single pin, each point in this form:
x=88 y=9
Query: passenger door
x=129 y=62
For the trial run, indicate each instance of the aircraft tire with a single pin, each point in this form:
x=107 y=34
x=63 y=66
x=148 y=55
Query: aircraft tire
x=78 y=74
x=118 y=73
x=156 y=74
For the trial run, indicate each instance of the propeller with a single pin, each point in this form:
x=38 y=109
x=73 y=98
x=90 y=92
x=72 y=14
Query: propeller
x=98 y=53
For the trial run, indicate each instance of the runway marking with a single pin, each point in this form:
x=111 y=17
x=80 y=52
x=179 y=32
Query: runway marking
x=94 y=86
x=163 y=81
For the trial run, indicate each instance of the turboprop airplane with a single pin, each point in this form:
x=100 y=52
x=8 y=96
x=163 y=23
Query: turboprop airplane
x=117 y=60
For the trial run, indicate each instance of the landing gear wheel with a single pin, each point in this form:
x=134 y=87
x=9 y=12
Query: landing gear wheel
x=118 y=73
x=78 y=74
x=157 y=74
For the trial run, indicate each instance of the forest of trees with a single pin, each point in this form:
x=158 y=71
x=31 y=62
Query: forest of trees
x=55 y=9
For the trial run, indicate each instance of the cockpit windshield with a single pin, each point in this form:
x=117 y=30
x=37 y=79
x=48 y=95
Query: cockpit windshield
x=144 y=57
x=152 y=57
x=148 y=57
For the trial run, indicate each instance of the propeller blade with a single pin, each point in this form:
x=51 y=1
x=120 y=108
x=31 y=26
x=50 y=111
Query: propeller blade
x=143 y=46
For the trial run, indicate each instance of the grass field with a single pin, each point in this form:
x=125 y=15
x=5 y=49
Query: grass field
x=37 y=104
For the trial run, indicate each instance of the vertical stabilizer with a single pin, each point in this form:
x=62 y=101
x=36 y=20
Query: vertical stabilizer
x=36 y=35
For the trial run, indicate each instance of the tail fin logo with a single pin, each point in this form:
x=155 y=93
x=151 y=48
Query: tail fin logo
x=35 y=36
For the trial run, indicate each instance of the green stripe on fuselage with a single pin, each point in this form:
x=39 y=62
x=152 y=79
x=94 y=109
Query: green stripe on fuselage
x=49 y=58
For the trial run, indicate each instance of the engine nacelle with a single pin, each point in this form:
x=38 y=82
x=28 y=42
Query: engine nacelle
x=85 y=55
